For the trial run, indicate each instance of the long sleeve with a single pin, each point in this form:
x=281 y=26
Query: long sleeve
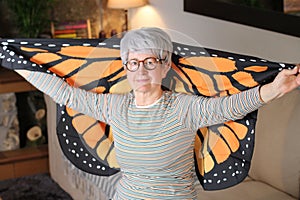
x=89 y=103
x=209 y=111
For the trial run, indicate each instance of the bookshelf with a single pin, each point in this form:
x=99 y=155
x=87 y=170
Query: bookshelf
x=71 y=29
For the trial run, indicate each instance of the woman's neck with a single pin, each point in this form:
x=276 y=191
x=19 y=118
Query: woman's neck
x=147 y=98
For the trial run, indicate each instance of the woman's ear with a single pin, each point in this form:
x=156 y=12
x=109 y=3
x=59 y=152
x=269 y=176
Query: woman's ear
x=165 y=70
x=125 y=69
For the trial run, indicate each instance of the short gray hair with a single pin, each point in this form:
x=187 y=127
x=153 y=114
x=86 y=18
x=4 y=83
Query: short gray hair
x=150 y=39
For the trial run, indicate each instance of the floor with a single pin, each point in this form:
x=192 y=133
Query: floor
x=34 y=187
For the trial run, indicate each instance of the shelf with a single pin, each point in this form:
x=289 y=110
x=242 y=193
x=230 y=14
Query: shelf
x=24 y=162
x=10 y=81
x=27 y=153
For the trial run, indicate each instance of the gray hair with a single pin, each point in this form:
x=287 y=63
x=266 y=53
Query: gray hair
x=152 y=39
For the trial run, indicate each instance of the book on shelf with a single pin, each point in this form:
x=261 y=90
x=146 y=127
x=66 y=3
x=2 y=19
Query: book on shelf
x=79 y=29
x=64 y=31
x=67 y=35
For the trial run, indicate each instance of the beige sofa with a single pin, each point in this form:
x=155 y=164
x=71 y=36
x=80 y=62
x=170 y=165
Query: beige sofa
x=275 y=169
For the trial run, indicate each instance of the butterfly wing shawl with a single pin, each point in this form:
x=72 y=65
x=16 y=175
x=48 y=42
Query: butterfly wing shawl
x=222 y=153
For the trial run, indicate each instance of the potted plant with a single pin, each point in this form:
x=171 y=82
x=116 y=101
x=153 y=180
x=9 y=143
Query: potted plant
x=31 y=16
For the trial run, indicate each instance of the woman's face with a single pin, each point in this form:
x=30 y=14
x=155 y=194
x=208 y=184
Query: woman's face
x=145 y=80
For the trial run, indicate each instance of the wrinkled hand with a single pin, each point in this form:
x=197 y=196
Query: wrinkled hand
x=284 y=82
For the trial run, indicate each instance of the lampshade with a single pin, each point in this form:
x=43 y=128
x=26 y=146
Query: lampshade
x=125 y=4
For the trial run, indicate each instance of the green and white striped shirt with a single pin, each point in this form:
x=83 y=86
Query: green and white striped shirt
x=154 y=144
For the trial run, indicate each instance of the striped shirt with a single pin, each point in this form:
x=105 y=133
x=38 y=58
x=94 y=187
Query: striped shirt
x=154 y=144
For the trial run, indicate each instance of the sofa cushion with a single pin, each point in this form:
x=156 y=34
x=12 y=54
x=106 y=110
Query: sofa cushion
x=276 y=158
x=247 y=190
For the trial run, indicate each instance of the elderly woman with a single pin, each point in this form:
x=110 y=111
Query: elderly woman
x=153 y=129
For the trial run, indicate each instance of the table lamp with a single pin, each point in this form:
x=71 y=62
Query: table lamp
x=125 y=5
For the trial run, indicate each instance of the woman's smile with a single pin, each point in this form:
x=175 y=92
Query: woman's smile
x=143 y=80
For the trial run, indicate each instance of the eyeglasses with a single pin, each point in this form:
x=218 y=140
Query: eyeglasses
x=149 y=63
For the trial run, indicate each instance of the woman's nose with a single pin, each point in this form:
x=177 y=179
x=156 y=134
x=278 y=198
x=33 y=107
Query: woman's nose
x=142 y=68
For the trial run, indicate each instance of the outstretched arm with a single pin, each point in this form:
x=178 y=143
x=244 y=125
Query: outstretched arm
x=223 y=109
x=89 y=103
x=284 y=82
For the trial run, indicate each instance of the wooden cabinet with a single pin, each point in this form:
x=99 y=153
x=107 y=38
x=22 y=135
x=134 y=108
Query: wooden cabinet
x=72 y=29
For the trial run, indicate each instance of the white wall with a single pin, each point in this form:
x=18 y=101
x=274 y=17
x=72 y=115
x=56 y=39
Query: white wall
x=217 y=34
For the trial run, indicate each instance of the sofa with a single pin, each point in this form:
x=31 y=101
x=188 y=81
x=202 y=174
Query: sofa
x=274 y=172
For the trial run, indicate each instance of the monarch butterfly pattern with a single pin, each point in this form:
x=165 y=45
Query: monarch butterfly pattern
x=222 y=152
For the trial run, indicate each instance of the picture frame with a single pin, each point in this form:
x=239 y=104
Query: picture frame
x=246 y=15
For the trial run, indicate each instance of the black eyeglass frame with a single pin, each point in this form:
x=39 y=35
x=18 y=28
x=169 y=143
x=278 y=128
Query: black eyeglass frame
x=144 y=65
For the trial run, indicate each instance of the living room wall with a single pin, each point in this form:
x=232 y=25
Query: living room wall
x=101 y=17
x=218 y=34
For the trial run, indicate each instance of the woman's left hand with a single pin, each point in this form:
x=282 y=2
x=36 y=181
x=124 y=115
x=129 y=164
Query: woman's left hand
x=286 y=81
